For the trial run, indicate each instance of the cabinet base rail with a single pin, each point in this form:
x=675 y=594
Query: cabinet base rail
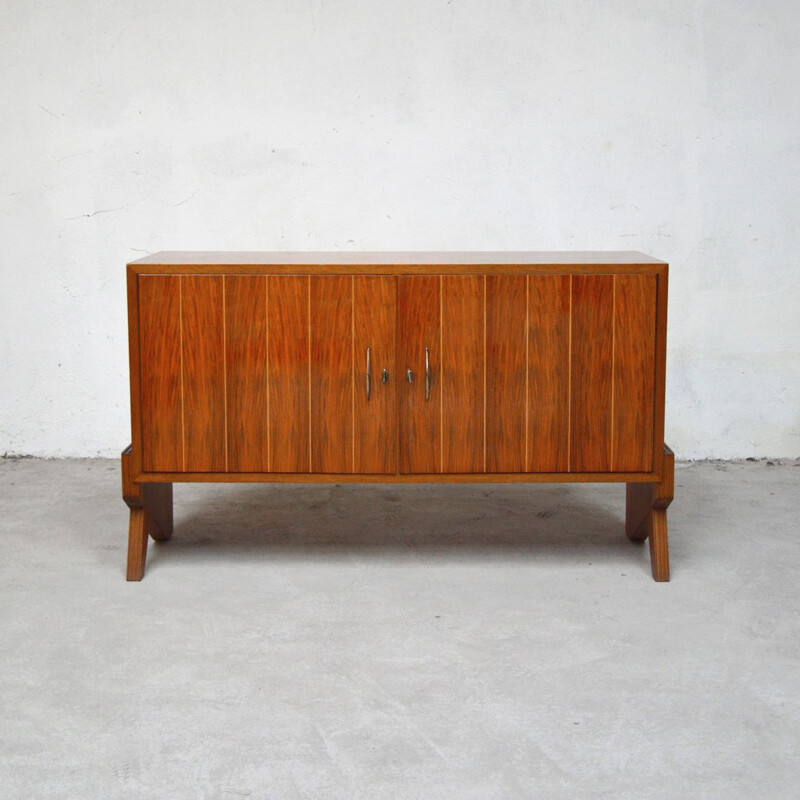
x=646 y=505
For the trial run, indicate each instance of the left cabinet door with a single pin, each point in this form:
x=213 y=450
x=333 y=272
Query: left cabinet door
x=257 y=373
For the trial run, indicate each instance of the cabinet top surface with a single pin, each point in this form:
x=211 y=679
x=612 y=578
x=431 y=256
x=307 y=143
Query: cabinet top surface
x=190 y=258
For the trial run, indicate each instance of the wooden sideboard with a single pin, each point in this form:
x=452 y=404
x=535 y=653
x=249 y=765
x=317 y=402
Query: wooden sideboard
x=397 y=368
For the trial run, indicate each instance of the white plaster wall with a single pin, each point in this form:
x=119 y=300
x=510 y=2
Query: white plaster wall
x=668 y=127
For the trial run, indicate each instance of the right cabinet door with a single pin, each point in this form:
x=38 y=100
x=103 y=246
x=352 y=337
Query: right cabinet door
x=526 y=373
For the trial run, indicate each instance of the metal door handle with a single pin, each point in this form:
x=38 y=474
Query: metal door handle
x=369 y=372
x=427 y=375
x=409 y=376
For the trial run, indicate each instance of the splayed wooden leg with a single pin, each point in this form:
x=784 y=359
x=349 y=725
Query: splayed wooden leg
x=137 y=544
x=646 y=515
x=151 y=515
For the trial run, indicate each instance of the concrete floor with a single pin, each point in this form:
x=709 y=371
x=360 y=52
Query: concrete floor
x=399 y=642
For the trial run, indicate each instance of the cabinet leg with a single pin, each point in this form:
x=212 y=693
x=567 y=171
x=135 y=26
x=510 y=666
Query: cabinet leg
x=137 y=544
x=646 y=515
x=659 y=546
x=639 y=510
x=151 y=515
x=158 y=502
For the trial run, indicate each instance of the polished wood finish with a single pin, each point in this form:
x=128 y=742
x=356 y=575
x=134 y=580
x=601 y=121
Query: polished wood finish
x=374 y=418
x=246 y=376
x=419 y=305
x=506 y=378
x=289 y=354
x=252 y=367
x=646 y=515
x=548 y=392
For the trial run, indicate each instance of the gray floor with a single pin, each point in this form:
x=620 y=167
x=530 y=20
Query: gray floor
x=399 y=642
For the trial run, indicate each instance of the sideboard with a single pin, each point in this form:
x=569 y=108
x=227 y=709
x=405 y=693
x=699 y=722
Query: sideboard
x=397 y=368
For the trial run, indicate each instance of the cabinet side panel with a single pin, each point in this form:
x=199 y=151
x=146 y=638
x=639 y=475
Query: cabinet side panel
x=634 y=372
x=506 y=313
x=160 y=360
x=591 y=373
x=332 y=374
x=548 y=373
x=288 y=354
x=463 y=378
x=418 y=324
x=246 y=372
x=374 y=419
x=203 y=345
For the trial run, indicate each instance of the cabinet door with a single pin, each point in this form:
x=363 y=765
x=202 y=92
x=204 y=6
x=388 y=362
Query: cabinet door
x=255 y=373
x=538 y=373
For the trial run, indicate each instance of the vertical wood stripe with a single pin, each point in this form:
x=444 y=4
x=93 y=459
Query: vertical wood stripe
x=441 y=374
x=527 y=365
x=310 y=423
x=289 y=362
x=548 y=367
x=266 y=344
x=225 y=372
x=462 y=373
x=505 y=351
x=633 y=412
x=569 y=383
x=246 y=373
x=203 y=368
x=160 y=387
x=613 y=366
x=484 y=372
x=592 y=355
x=353 y=374
x=331 y=393
x=183 y=391
x=419 y=310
